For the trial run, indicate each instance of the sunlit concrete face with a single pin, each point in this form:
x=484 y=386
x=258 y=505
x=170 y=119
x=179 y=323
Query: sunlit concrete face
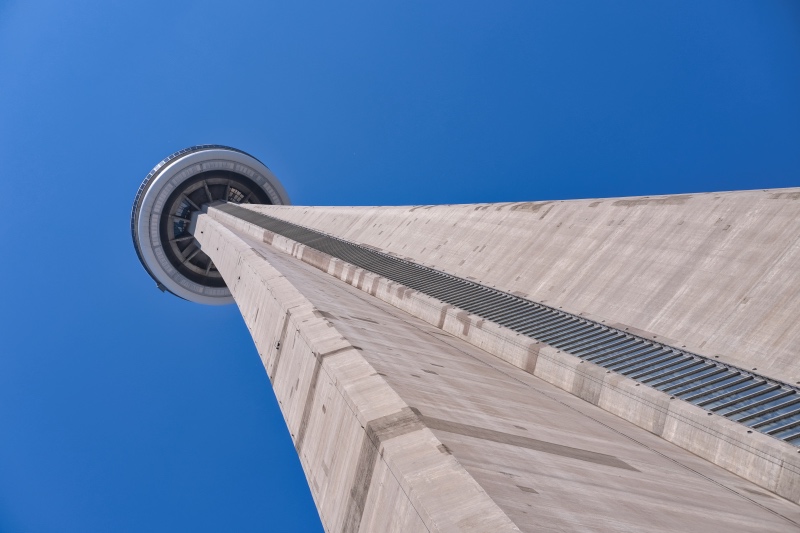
x=409 y=413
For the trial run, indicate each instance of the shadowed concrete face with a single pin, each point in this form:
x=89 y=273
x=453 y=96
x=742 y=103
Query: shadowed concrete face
x=401 y=426
x=765 y=460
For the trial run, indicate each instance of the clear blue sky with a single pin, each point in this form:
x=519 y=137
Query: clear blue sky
x=126 y=410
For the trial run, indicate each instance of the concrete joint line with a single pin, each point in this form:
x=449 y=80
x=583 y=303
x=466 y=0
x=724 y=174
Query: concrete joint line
x=524 y=442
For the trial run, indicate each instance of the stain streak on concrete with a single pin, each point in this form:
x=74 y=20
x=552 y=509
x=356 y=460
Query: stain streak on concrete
x=282 y=343
x=376 y=432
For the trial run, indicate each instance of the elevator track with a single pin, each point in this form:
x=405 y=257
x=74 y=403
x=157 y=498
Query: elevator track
x=755 y=401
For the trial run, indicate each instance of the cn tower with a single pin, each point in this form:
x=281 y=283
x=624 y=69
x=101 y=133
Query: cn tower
x=612 y=364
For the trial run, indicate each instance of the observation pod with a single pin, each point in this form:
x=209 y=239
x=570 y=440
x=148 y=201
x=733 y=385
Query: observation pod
x=172 y=193
x=427 y=386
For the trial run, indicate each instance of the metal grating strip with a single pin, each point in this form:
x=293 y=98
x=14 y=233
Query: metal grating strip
x=765 y=405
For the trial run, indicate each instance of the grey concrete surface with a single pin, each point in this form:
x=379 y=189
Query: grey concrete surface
x=766 y=461
x=403 y=426
x=716 y=272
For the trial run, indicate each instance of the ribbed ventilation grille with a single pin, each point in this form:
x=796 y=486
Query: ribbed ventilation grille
x=755 y=401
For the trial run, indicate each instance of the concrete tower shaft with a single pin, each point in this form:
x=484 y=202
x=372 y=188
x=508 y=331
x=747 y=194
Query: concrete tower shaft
x=491 y=368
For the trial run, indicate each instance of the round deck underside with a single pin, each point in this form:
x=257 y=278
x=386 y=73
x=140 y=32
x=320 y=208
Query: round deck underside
x=180 y=186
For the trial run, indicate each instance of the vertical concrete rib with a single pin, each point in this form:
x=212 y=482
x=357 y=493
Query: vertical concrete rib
x=349 y=426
